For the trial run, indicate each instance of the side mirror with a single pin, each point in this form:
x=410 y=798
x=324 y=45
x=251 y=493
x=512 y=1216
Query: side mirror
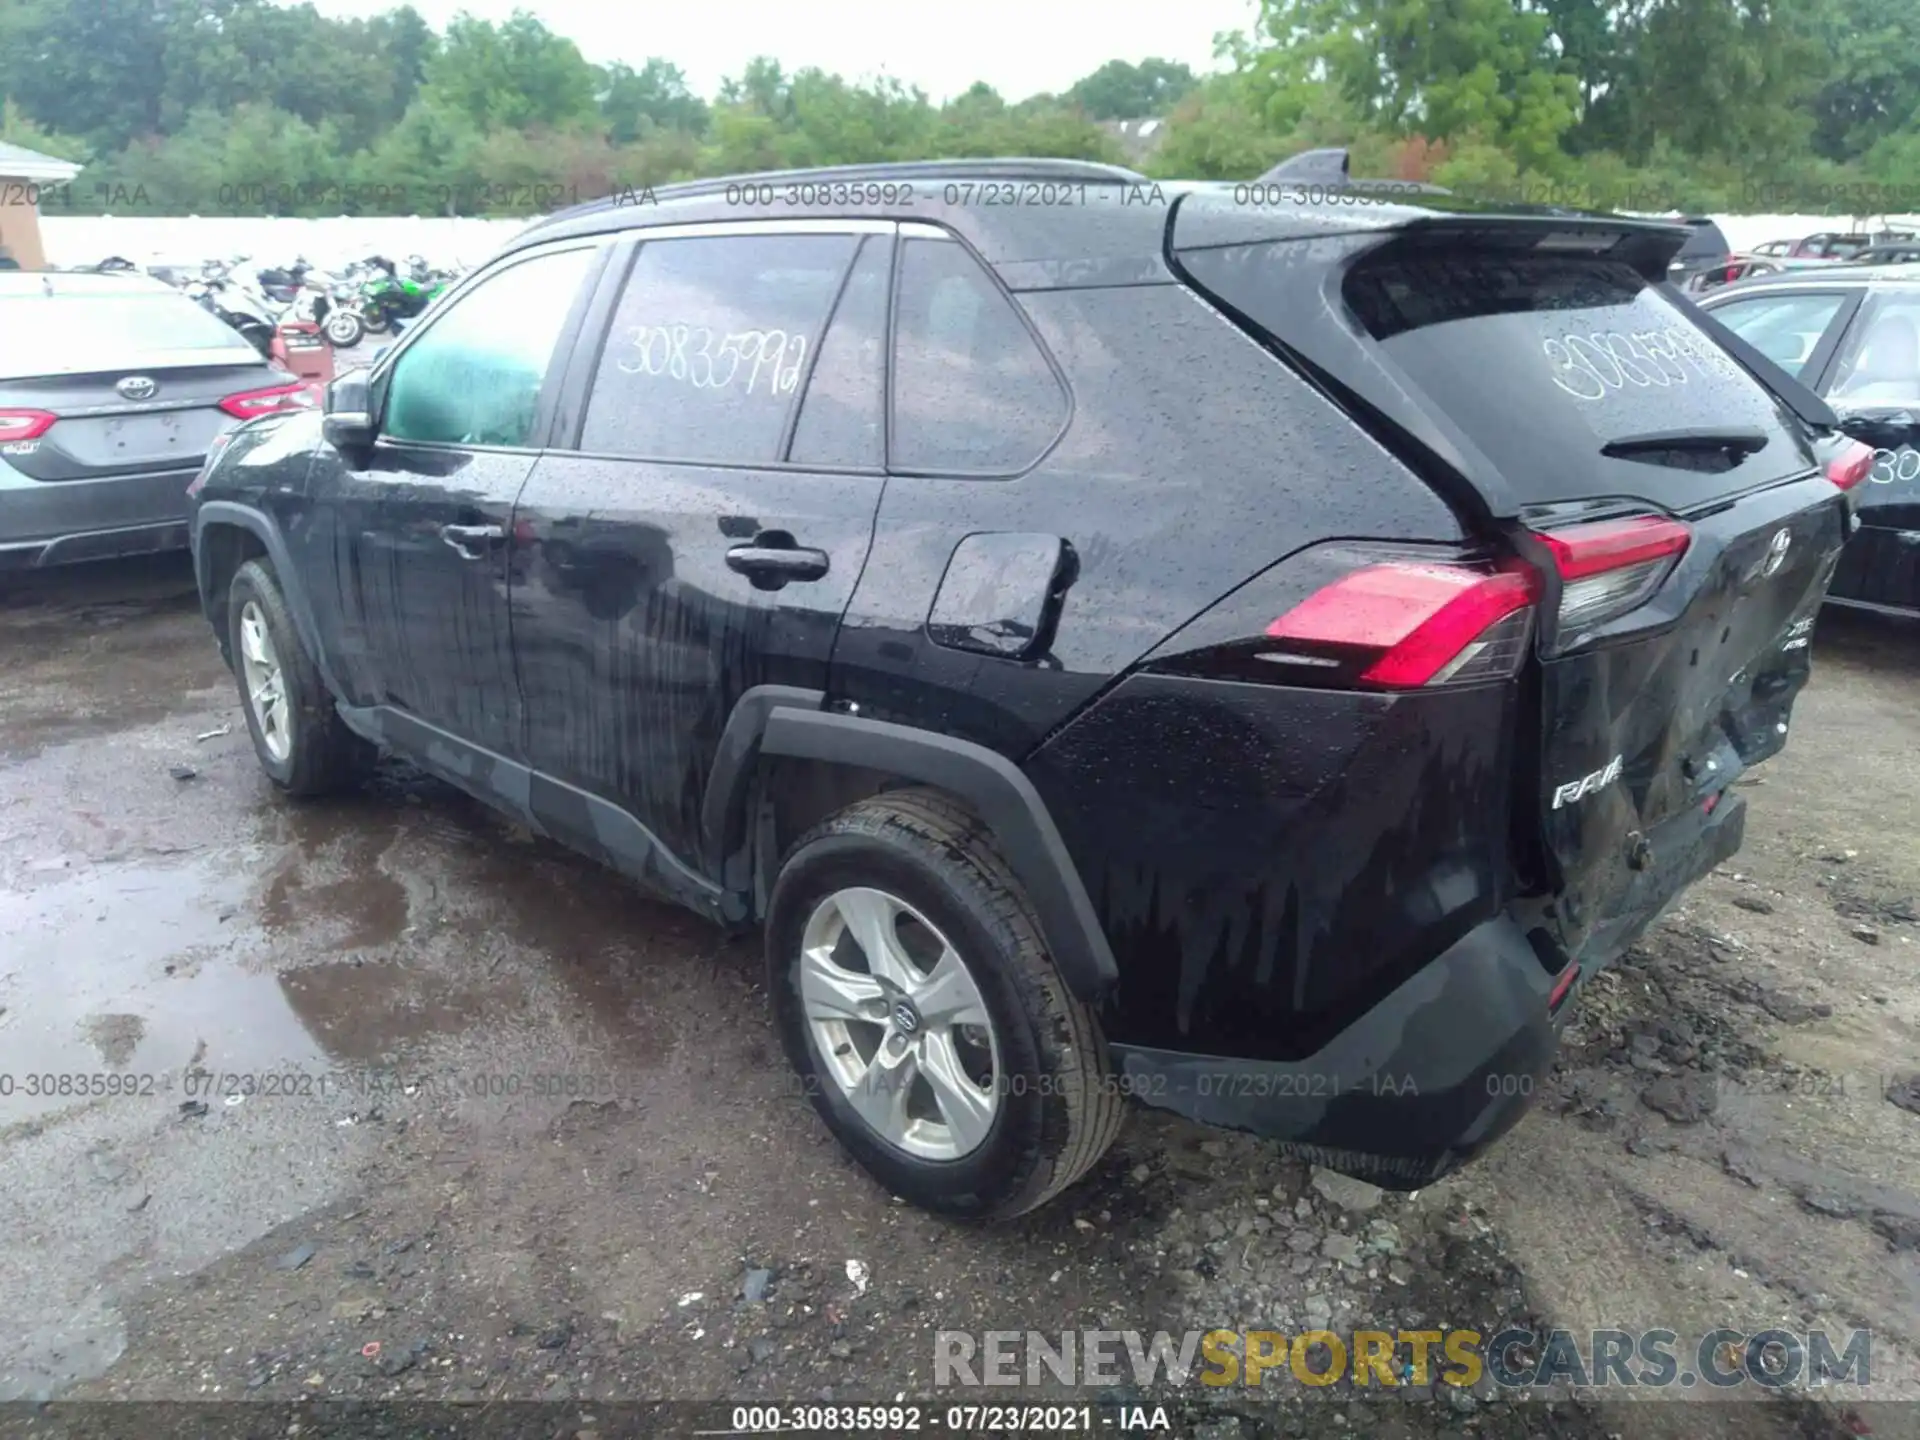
x=347 y=420
x=380 y=354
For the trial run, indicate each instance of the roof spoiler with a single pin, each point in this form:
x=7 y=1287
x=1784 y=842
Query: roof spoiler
x=1334 y=166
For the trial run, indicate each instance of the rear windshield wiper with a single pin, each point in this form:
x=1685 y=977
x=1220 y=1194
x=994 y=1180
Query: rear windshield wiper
x=1735 y=443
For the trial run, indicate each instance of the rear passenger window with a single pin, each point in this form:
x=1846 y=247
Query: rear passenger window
x=842 y=419
x=972 y=392
x=710 y=345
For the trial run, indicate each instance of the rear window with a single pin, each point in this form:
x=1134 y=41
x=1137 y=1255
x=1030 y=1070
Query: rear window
x=66 y=334
x=1704 y=242
x=1544 y=360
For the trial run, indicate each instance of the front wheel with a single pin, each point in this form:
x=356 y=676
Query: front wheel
x=345 y=329
x=298 y=737
x=927 y=1022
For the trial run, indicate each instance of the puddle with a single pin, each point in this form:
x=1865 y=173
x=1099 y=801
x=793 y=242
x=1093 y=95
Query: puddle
x=363 y=1013
x=131 y=971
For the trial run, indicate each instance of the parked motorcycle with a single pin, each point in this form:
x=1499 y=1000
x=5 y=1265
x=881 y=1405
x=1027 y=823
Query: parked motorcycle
x=390 y=299
x=231 y=305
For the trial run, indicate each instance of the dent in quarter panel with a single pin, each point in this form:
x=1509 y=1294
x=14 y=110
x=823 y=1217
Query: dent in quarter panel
x=1193 y=460
x=1268 y=861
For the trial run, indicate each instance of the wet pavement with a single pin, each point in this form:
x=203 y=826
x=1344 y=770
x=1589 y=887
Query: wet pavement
x=383 y=1097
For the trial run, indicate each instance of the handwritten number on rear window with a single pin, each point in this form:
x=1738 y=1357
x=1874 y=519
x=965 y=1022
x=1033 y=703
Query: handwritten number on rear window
x=1594 y=365
x=756 y=362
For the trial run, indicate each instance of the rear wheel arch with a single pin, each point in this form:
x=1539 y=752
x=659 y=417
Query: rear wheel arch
x=812 y=763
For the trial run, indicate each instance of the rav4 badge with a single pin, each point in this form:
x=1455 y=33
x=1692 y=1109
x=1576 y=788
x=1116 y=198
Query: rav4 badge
x=1587 y=784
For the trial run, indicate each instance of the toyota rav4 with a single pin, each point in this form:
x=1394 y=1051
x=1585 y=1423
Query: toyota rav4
x=1251 y=651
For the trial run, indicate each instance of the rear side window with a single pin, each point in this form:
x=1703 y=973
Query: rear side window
x=1784 y=328
x=1879 y=363
x=972 y=392
x=1543 y=361
x=710 y=345
x=843 y=417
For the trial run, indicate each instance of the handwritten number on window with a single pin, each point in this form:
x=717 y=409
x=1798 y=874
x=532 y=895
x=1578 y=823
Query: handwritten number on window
x=1594 y=365
x=757 y=362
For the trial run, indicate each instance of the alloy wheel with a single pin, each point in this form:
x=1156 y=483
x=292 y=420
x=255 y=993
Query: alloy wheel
x=899 y=1023
x=265 y=682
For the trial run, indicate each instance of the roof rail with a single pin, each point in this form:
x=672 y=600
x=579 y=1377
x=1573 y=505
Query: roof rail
x=995 y=168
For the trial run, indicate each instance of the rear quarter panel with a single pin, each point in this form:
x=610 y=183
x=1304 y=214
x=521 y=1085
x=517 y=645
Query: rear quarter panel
x=1192 y=461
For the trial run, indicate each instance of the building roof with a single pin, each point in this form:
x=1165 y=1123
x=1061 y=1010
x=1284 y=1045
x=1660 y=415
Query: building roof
x=19 y=163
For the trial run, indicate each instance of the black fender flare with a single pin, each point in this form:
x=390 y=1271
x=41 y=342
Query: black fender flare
x=264 y=529
x=999 y=793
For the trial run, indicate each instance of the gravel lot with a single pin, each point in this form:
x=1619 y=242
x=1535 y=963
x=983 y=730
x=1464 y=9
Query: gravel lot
x=1718 y=1147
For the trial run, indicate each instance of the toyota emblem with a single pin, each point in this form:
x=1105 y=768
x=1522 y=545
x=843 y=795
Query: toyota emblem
x=1777 y=549
x=139 y=387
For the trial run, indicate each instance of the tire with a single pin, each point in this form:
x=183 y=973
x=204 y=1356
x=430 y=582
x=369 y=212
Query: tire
x=1054 y=1105
x=344 y=329
x=301 y=742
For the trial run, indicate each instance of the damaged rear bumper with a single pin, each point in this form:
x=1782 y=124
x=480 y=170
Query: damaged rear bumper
x=1440 y=1068
x=1444 y=1064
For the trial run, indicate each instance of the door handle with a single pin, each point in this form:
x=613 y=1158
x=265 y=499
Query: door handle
x=464 y=539
x=777 y=564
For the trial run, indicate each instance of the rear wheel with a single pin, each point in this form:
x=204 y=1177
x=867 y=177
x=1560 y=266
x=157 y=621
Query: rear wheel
x=298 y=736
x=928 y=1024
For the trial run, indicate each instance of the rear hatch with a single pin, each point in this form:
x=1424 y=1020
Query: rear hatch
x=106 y=382
x=1672 y=507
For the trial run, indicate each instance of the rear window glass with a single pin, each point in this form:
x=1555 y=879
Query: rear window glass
x=1705 y=242
x=56 y=334
x=1544 y=360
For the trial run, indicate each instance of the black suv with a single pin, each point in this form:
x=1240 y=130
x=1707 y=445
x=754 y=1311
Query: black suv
x=1224 y=647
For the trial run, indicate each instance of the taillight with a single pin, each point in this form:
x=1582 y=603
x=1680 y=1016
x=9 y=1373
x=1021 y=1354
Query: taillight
x=1402 y=624
x=249 y=403
x=1851 y=466
x=24 y=424
x=1608 y=567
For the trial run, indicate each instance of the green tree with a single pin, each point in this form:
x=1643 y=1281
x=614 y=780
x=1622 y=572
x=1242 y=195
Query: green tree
x=1871 y=91
x=1122 y=91
x=1465 y=67
x=511 y=76
x=84 y=67
x=17 y=129
x=638 y=103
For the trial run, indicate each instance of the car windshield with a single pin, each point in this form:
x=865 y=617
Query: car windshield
x=67 y=334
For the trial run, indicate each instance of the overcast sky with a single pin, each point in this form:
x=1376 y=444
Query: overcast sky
x=1019 y=47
